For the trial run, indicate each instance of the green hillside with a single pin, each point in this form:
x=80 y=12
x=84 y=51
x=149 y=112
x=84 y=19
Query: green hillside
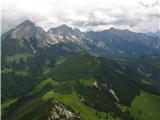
x=77 y=67
x=146 y=107
x=70 y=100
x=90 y=87
x=66 y=74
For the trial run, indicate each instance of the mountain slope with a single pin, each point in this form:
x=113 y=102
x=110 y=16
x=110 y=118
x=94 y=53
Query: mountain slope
x=66 y=34
x=116 y=43
x=144 y=71
x=25 y=37
x=57 y=75
x=81 y=78
x=111 y=43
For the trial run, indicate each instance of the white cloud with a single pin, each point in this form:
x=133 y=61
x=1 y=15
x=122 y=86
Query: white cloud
x=137 y=15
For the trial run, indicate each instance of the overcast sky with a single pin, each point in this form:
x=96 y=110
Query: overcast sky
x=136 y=15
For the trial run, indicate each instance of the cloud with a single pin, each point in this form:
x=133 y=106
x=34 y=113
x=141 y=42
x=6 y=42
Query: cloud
x=136 y=15
x=157 y=15
x=147 y=5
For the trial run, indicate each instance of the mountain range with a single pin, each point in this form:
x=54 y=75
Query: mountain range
x=112 y=42
x=157 y=33
x=67 y=74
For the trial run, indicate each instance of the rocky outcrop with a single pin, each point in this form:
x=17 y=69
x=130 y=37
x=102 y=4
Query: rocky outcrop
x=59 y=112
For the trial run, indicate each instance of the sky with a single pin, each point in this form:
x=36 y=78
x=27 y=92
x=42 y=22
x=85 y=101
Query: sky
x=96 y=15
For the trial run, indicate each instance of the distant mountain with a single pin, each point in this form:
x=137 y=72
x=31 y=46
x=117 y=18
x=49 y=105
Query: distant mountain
x=144 y=70
x=26 y=36
x=65 y=33
x=116 y=42
x=110 y=43
x=155 y=34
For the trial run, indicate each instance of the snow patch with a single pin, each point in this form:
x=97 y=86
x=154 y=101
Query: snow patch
x=113 y=93
x=95 y=84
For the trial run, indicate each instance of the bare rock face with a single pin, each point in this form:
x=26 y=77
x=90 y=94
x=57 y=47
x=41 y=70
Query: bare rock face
x=64 y=33
x=59 y=112
x=28 y=35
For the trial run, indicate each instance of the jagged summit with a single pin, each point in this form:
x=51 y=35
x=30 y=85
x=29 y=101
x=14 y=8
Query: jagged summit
x=25 y=29
x=27 y=22
x=65 y=33
x=62 y=29
x=112 y=28
x=110 y=38
x=29 y=36
x=64 y=26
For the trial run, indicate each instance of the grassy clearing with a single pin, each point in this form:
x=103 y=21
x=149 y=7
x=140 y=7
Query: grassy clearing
x=46 y=71
x=6 y=70
x=42 y=84
x=23 y=73
x=17 y=57
x=89 y=82
x=146 y=82
x=60 y=60
x=146 y=107
x=7 y=103
x=122 y=107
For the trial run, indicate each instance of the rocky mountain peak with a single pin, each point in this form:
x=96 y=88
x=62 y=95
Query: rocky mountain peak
x=112 y=28
x=64 y=26
x=27 y=23
x=62 y=29
x=30 y=36
x=65 y=33
x=24 y=30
